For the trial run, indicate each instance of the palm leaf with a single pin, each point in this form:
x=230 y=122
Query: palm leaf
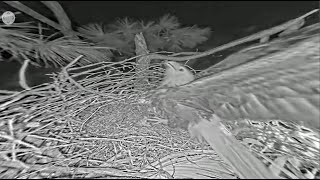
x=58 y=52
x=64 y=50
x=92 y=30
x=168 y=22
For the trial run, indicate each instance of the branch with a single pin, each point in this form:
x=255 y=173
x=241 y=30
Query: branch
x=252 y=37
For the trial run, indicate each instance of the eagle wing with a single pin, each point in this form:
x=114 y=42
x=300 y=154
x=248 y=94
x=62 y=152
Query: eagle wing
x=283 y=85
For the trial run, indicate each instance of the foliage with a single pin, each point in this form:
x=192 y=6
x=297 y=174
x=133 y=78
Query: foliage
x=165 y=34
x=22 y=42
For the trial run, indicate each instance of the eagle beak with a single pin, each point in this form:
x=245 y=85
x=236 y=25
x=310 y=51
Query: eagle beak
x=167 y=64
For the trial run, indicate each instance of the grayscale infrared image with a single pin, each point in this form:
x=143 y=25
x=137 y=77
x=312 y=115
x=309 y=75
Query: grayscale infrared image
x=159 y=89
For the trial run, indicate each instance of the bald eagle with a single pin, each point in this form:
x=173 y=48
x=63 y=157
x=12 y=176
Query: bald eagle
x=277 y=80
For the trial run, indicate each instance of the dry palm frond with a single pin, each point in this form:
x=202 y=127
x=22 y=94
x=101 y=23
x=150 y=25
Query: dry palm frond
x=57 y=52
x=22 y=26
x=168 y=22
x=92 y=30
x=63 y=50
x=16 y=41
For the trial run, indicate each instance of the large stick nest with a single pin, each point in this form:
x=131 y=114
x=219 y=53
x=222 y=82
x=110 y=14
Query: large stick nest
x=93 y=121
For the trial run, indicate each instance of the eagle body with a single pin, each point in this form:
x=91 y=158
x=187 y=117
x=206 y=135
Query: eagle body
x=279 y=80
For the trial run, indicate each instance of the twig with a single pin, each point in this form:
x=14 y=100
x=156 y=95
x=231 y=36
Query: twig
x=79 y=170
x=13 y=147
x=19 y=142
x=89 y=118
x=65 y=72
x=22 y=75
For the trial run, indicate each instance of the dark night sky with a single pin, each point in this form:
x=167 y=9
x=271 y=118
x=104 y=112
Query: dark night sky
x=228 y=20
